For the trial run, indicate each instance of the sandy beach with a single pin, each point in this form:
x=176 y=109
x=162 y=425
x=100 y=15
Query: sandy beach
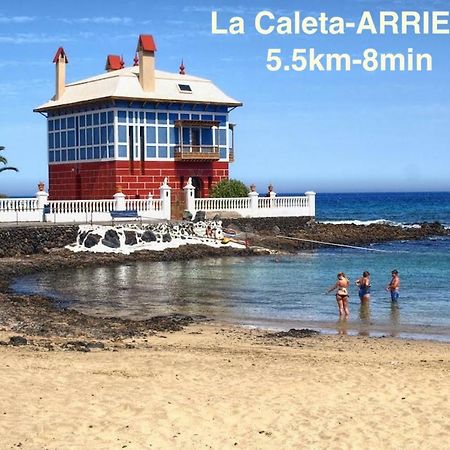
x=210 y=386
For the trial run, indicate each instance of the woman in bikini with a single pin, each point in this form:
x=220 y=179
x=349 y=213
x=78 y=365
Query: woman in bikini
x=364 y=287
x=341 y=286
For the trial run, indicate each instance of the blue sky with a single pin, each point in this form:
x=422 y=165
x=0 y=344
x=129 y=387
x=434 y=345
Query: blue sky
x=322 y=131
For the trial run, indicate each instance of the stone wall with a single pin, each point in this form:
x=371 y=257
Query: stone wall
x=26 y=240
x=271 y=225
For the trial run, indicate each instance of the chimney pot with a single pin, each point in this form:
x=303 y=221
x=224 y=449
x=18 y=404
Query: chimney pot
x=60 y=59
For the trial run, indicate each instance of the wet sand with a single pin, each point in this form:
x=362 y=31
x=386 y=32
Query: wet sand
x=210 y=386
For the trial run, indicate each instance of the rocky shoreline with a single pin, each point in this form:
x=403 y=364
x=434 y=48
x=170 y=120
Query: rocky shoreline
x=44 y=323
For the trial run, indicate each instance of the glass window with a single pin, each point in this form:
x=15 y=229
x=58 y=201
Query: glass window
x=83 y=153
x=151 y=135
x=57 y=141
x=171 y=151
x=96 y=152
x=195 y=116
x=186 y=136
x=162 y=118
x=122 y=116
x=82 y=120
x=71 y=122
x=110 y=116
x=111 y=151
x=89 y=153
x=223 y=152
x=184 y=116
x=63 y=155
x=111 y=134
x=82 y=137
x=103 y=139
x=103 y=117
x=222 y=137
x=221 y=119
x=63 y=139
x=122 y=133
x=104 y=151
x=89 y=136
x=174 y=136
x=123 y=151
x=207 y=136
x=207 y=117
x=63 y=123
x=96 y=136
x=162 y=135
x=71 y=154
x=57 y=156
x=141 y=116
x=151 y=151
x=71 y=138
x=95 y=118
x=130 y=116
x=88 y=119
x=172 y=118
x=162 y=151
x=51 y=140
x=57 y=124
x=150 y=117
x=51 y=156
x=50 y=125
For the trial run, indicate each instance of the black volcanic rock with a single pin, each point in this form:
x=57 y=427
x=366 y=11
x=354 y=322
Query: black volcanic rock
x=111 y=239
x=148 y=236
x=91 y=240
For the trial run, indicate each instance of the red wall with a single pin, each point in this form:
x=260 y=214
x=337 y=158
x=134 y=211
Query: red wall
x=99 y=180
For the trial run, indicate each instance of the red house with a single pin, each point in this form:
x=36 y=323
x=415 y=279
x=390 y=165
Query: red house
x=131 y=127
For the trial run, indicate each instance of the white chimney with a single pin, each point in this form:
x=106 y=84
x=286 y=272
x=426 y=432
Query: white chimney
x=61 y=60
x=146 y=49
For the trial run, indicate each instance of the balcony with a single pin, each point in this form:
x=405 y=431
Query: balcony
x=196 y=153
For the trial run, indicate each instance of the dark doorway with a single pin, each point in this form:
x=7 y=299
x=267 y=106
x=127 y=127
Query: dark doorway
x=198 y=184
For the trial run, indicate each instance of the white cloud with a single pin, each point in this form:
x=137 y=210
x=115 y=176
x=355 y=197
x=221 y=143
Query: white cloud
x=16 y=19
x=32 y=38
x=99 y=20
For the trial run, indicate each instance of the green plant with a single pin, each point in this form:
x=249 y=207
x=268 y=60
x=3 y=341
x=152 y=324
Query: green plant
x=229 y=188
x=4 y=161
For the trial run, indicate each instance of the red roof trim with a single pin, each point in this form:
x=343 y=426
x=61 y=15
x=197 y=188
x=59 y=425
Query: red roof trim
x=146 y=43
x=114 y=62
x=60 y=53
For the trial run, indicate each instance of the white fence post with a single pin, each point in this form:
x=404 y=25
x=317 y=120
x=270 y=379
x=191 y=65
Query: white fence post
x=253 y=200
x=119 y=203
x=311 y=196
x=189 y=195
x=166 y=199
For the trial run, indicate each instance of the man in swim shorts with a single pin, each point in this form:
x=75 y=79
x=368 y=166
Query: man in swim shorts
x=394 y=286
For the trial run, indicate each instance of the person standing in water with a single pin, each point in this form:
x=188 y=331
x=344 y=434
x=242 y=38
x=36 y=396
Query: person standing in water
x=364 y=287
x=341 y=288
x=394 y=286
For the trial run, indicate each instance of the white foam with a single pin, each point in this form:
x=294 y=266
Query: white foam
x=370 y=222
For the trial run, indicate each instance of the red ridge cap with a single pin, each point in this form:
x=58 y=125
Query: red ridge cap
x=60 y=52
x=146 y=43
x=114 y=62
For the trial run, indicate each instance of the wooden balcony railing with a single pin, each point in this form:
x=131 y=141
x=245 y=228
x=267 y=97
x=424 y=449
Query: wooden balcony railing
x=196 y=153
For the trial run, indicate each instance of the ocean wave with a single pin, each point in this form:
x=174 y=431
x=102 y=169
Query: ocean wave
x=370 y=222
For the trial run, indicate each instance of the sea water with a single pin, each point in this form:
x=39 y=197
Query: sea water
x=281 y=292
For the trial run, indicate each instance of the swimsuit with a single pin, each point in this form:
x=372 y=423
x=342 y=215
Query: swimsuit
x=364 y=290
x=342 y=292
